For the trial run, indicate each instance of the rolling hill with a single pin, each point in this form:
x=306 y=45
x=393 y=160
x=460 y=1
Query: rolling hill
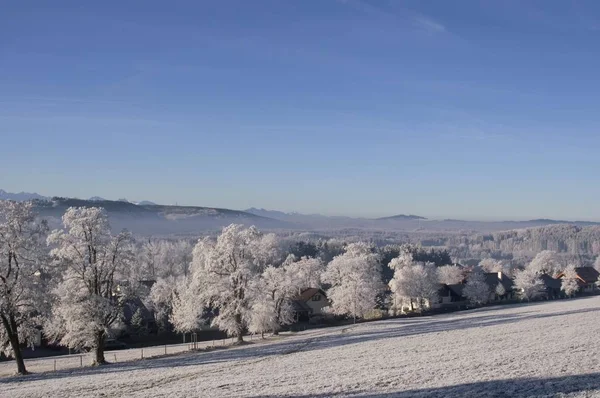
x=154 y=219
x=148 y=218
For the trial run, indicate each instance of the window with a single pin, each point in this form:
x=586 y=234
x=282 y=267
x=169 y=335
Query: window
x=316 y=297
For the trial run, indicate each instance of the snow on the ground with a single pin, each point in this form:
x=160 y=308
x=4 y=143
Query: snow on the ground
x=69 y=362
x=538 y=350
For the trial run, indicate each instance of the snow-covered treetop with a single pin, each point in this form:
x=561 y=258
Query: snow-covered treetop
x=450 y=274
x=236 y=248
x=21 y=234
x=305 y=272
x=405 y=259
x=491 y=265
x=87 y=248
x=86 y=224
x=546 y=262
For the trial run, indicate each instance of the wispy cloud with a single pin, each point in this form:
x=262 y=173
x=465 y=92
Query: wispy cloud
x=474 y=135
x=418 y=21
x=367 y=8
x=429 y=25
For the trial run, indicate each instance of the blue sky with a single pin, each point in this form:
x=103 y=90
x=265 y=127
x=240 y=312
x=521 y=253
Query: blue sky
x=469 y=109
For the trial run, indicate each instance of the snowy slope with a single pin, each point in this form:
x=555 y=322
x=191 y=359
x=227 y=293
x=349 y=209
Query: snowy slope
x=545 y=349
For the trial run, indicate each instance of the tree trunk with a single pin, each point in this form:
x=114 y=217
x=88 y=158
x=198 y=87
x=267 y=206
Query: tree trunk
x=14 y=342
x=99 y=348
x=240 y=328
x=10 y=325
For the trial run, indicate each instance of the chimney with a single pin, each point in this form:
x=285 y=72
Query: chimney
x=500 y=275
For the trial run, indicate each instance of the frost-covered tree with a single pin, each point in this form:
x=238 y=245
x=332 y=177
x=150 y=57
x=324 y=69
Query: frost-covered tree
x=597 y=264
x=528 y=283
x=500 y=290
x=305 y=272
x=569 y=283
x=173 y=258
x=137 y=320
x=275 y=290
x=476 y=290
x=150 y=256
x=225 y=269
x=165 y=258
x=450 y=274
x=404 y=259
x=491 y=265
x=134 y=278
x=92 y=260
x=161 y=298
x=187 y=306
x=329 y=249
x=168 y=262
x=263 y=316
x=545 y=262
x=138 y=324
x=414 y=281
x=355 y=279
x=22 y=252
x=179 y=254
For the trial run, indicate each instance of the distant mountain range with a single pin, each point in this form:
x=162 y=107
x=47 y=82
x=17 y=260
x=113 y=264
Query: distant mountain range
x=403 y=217
x=402 y=222
x=303 y=217
x=21 y=196
x=152 y=219
x=24 y=196
x=146 y=203
x=148 y=218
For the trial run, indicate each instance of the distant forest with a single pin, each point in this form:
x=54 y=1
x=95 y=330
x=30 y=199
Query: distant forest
x=578 y=244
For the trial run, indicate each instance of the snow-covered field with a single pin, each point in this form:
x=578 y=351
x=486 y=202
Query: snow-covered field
x=546 y=349
x=65 y=362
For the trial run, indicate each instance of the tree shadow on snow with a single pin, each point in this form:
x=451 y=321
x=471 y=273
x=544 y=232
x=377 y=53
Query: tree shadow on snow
x=331 y=338
x=520 y=388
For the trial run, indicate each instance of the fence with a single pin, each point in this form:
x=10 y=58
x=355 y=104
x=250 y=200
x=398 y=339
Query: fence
x=74 y=361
